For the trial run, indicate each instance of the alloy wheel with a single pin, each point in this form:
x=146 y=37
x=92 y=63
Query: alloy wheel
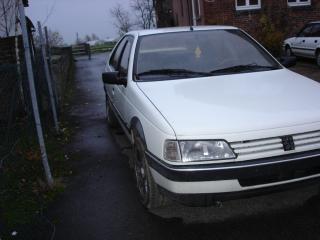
x=141 y=176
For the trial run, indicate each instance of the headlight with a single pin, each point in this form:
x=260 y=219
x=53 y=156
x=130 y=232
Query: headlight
x=195 y=151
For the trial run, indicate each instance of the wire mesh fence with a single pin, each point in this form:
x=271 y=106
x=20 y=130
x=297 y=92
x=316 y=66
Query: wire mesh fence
x=16 y=113
x=10 y=108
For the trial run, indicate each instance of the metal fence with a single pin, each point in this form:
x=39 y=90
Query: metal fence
x=16 y=115
x=11 y=106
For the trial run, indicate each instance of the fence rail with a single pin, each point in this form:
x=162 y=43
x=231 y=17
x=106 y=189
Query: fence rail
x=86 y=49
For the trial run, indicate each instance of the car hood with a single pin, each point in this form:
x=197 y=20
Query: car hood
x=236 y=103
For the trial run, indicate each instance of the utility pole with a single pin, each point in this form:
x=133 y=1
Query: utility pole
x=32 y=89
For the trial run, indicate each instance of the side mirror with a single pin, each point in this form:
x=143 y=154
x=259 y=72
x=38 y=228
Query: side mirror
x=113 y=78
x=288 y=61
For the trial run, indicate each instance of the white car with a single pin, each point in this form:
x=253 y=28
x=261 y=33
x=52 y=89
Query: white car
x=211 y=115
x=306 y=43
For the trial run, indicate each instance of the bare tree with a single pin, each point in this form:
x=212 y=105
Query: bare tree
x=87 y=38
x=94 y=37
x=145 y=12
x=49 y=13
x=122 y=19
x=54 y=37
x=7 y=17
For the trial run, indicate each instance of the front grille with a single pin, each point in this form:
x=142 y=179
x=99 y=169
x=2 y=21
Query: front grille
x=279 y=176
x=268 y=147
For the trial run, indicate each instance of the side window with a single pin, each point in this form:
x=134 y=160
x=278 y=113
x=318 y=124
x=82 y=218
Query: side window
x=248 y=4
x=124 y=64
x=316 y=30
x=292 y=3
x=114 y=61
x=306 y=32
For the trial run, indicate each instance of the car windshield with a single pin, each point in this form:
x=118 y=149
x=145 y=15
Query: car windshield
x=192 y=54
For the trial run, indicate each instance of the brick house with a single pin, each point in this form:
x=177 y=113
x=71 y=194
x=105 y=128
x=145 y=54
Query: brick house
x=286 y=16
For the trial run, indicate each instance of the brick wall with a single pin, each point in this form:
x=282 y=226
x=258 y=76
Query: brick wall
x=182 y=12
x=164 y=13
x=286 y=19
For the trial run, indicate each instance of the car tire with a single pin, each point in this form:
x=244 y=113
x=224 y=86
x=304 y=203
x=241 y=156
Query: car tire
x=111 y=117
x=318 y=58
x=149 y=193
x=288 y=51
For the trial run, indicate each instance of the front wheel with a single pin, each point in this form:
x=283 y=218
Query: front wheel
x=288 y=51
x=318 y=58
x=149 y=193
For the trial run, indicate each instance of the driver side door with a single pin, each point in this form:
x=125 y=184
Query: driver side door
x=114 y=65
x=121 y=90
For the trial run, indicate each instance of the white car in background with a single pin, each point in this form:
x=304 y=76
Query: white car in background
x=211 y=115
x=306 y=43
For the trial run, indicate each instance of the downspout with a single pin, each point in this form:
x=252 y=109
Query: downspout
x=194 y=15
x=155 y=14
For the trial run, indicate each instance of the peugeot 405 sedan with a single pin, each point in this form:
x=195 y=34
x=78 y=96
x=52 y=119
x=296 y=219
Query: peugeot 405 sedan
x=211 y=115
x=306 y=43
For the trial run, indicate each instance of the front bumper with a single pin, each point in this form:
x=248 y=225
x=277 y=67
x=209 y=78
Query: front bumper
x=237 y=178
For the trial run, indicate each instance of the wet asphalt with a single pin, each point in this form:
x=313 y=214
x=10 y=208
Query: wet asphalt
x=101 y=200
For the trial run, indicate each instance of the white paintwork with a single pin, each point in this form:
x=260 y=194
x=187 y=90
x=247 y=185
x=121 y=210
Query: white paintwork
x=248 y=5
x=136 y=104
x=236 y=103
x=224 y=186
x=177 y=29
x=299 y=3
x=235 y=108
x=304 y=46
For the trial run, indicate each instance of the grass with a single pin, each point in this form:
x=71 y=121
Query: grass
x=102 y=48
x=23 y=190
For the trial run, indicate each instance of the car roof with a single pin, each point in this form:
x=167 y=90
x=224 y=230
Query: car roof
x=314 y=22
x=178 y=29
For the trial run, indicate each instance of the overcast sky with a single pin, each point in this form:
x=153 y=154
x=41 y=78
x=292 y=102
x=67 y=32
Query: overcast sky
x=72 y=16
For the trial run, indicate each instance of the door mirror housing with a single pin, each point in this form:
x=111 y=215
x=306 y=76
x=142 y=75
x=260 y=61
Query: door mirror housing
x=113 y=78
x=288 y=61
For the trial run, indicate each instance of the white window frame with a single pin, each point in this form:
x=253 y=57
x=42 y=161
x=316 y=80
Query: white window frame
x=248 y=6
x=299 y=3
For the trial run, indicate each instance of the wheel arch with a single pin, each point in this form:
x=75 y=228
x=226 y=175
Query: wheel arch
x=136 y=125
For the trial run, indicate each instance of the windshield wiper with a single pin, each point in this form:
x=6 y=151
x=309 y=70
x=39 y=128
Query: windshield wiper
x=174 y=72
x=242 y=68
